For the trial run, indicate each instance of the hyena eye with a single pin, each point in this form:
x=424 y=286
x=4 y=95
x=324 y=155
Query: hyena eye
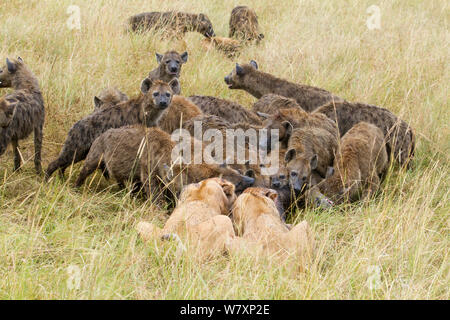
x=167 y=94
x=155 y=94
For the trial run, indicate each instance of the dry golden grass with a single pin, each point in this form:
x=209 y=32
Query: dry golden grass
x=48 y=230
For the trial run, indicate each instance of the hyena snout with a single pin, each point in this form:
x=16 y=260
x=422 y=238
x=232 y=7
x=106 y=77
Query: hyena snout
x=162 y=101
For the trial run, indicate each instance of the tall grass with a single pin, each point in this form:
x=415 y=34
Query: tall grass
x=50 y=233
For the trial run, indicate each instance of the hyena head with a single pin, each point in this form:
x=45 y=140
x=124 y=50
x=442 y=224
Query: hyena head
x=9 y=72
x=238 y=76
x=204 y=26
x=339 y=188
x=158 y=94
x=300 y=167
x=7 y=111
x=280 y=179
x=109 y=96
x=284 y=128
x=241 y=182
x=171 y=62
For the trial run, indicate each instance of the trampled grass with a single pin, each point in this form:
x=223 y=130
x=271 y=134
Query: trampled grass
x=57 y=242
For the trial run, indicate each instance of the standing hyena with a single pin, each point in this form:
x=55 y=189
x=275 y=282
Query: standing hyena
x=109 y=97
x=22 y=109
x=244 y=24
x=169 y=66
x=359 y=165
x=247 y=77
x=176 y=24
x=147 y=108
x=399 y=136
x=138 y=154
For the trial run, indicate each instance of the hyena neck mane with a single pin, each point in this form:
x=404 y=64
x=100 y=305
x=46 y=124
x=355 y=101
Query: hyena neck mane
x=259 y=83
x=24 y=79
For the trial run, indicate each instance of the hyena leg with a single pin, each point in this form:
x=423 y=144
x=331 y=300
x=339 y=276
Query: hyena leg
x=67 y=156
x=17 y=159
x=38 y=132
x=372 y=186
x=92 y=162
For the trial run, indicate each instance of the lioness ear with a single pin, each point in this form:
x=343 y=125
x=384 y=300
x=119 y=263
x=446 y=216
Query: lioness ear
x=330 y=172
x=239 y=70
x=288 y=127
x=272 y=194
x=174 y=84
x=254 y=64
x=146 y=85
x=290 y=154
x=263 y=115
x=184 y=57
x=11 y=66
x=97 y=102
x=158 y=57
x=313 y=162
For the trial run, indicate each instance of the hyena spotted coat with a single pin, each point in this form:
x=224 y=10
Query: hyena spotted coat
x=270 y=103
x=180 y=111
x=147 y=109
x=399 y=136
x=359 y=165
x=231 y=111
x=23 y=110
x=247 y=77
x=169 y=66
x=109 y=97
x=134 y=153
x=175 y=24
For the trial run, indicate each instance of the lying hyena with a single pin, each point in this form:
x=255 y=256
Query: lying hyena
x=169 y=66
x=247 y=77
x=244 y=25
x=175 y=24
x=147 y=108
x=22 y=110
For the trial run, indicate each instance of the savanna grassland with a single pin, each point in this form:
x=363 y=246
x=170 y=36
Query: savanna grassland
x=57 y=242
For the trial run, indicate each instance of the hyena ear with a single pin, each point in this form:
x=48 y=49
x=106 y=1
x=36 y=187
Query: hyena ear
x=330 y=172
x=158 y=57
x=239 y=70
x=11 y=66
x=19 y=59
x=97 y=102
x=263 y=115
x=254 y=64
x=146 y=85
x=184 y=57
x=290 y=154
x=261 y=36
x=174 y=84
x=288 y=127
x=228 y=188
x=313 y=162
